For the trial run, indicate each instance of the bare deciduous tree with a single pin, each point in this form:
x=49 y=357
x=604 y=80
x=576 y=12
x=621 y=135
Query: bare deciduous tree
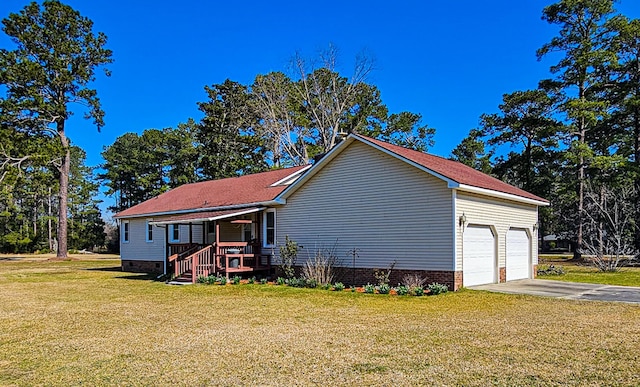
x=609 y=227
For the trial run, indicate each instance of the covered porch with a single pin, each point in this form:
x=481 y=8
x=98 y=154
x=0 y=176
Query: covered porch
x=217 y=243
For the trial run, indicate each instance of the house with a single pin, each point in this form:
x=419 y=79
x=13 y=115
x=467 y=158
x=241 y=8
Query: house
x=431 y=216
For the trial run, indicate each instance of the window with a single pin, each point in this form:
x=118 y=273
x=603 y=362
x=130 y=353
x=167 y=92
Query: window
x=175 y=233
x=125 y=231
x=269 y=229
x=149 y=231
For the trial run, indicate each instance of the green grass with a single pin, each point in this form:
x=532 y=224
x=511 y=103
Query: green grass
x=83 y=322
x=626 y=276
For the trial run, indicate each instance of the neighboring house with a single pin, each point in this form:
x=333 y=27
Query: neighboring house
x=431 y=216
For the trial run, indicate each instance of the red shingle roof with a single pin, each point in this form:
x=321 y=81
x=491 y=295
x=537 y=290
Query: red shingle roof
x=233 y=191
x=453 y=170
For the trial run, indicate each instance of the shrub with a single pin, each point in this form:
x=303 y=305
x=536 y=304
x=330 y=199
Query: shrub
x=326 y=287
x=417 y=291
x=263 y=281
x=436 y=288
x=413 y=281
x=211 y=279
x=222 y=280
x=550 y=270
x=252 y=280
x=281 y=281
x=353 y=288
x=201 y=279
x=382 y=275
x=236 y=279
x=369 y=289
x=288 y=257
x=384 y=289
x=338 y=286
x=402 y=290
x=321 y=268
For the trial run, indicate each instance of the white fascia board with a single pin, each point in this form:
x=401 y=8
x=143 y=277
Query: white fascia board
x=208 y=218
x=294 y=176
x=501 y=195
x=315 y=168
x=220 y=208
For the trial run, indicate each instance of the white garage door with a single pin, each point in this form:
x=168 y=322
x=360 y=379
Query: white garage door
x=478 y=256
x=518 y=247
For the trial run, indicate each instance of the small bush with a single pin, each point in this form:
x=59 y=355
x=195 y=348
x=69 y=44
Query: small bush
x=288 y=257
x=436 y=288
x=326 y=287
x=353 y=288
x=338 y=286
x=382 y=275
x=236 y=279
x=281 y=281
x=263 y=281
x=321 y=268
x=413 y=281
x=402 y=290
x=73 y=251
x=211 y=279
x=201 y=279
x=252 y=280
x=550 y=270
x=384 y=289
x=222 y=280
x=417 y=291
x=369 y=289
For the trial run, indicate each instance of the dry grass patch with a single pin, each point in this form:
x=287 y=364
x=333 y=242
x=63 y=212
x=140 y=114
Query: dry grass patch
x=66 y=324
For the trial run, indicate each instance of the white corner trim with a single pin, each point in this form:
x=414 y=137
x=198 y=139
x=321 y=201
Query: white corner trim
x=454 y=199
x=501 y=195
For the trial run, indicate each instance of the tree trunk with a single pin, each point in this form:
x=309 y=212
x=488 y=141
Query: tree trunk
x=636 y=180
x=49 y=224
x=64 y=192
x=577 y=254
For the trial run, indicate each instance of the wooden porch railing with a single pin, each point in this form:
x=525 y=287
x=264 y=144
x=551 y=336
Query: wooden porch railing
x=219 y=258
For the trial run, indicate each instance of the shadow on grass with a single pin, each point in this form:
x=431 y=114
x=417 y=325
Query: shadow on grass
x=113 y=268
x=141 y=276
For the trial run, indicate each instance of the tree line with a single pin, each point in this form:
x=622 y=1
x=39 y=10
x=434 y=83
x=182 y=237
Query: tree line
x=574 y=140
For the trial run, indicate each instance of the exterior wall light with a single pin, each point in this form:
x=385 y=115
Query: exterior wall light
x=462 y=220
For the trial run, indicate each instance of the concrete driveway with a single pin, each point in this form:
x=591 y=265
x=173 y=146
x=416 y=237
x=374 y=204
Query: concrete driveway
x=568 y=290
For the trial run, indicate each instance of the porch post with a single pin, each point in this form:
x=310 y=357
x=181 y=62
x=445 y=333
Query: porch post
x=190 y=233
x=217 y=238
x=167 y=248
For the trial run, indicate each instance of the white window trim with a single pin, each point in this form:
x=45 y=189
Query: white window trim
x=146 y=231
x=171 y=239
x=264 y=227
x=126 y=236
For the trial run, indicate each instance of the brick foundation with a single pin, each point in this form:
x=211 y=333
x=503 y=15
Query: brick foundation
x=363 y=276
x=134 y=266
x=502 y=274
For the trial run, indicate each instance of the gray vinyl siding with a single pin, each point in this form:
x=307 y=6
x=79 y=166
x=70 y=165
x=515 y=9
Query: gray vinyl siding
x=371 y=201
x=138 y=248
x=501 y=215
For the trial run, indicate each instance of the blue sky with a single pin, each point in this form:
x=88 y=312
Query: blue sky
x=450 y=60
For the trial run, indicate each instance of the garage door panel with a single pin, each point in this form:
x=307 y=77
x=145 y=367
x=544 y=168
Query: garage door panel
x=518 y=260
x=478 y=257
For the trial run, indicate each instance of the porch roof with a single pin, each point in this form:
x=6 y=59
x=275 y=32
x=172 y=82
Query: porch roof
x=205 y=216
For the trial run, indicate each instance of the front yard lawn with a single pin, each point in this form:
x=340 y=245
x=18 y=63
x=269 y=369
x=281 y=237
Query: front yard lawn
x=85 y=322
